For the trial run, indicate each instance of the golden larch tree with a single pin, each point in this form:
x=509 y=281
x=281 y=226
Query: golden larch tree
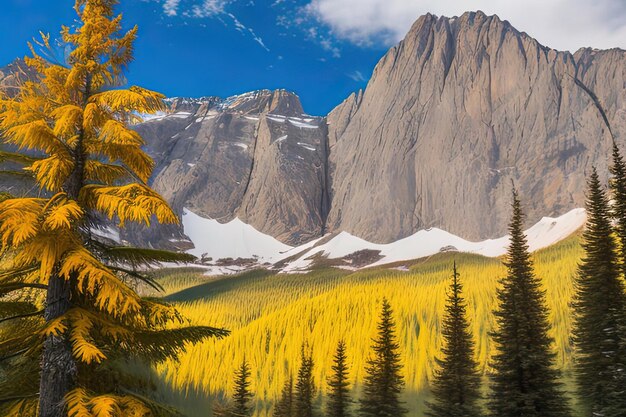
x=69 y=303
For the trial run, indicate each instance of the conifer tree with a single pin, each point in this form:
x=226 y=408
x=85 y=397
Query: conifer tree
x=70 y=128
x=243 y=396
x=239 y=406
x=305 y=388
x=599 y=311
x=339 y=396
x=618 y=189
x=285 y=407
x=383 y=381
x=525 y=381
x=456 y=388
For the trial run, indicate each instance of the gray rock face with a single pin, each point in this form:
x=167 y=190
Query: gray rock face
x=451 y=115
x=254 y=156
x=12 y=75
x=455 y=112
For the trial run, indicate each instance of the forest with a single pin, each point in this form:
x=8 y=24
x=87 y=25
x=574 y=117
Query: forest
x=91 y=328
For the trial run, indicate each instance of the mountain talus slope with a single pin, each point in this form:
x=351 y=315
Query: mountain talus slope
x=452 y=114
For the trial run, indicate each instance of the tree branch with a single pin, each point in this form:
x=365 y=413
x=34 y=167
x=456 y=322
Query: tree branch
x=22 y=316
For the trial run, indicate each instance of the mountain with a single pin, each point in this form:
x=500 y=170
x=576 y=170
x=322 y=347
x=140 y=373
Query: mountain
x=451 y=115
x=457 y=110
x=255 y=156
x=12 y=75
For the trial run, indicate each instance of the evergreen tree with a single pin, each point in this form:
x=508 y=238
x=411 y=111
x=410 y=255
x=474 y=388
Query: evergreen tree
x=305 y=388
x=70 y=129
x=239 y=406
x=599 y=311
x=456 y=388
x=339 y=396
x=383 y=381
x=525 y=381
x=618 y=189
x=243 y=396
x=285 y=407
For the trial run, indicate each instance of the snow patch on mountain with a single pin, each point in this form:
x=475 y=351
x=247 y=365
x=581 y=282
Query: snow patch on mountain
x=234 y=239
x=237 y=239
x=546 y=232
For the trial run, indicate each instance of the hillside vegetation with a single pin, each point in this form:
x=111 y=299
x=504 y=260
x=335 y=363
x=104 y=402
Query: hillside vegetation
x=272 y=315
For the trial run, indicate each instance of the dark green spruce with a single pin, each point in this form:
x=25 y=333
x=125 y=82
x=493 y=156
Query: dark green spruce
x=456 y=387
x=242 y=398
x=618 y=191
x=599 y=310
x=525 y=381
x=240 y=405
x=284 y=407
x=383 y=380
x=305 y=388
x=339 y=401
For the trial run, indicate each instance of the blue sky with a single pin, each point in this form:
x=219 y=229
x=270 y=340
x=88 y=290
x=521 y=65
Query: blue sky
x=321 y=49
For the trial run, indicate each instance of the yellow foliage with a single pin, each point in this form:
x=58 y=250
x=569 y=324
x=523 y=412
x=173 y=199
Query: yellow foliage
x=132 y=202
x=91 y=163
x=93 y=278
x=81 y=404
x=271 y=316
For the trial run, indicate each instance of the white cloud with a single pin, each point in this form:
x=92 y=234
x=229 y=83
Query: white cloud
x=560 y=24
x=357 y=76
x=208 y=8
x=170 y=7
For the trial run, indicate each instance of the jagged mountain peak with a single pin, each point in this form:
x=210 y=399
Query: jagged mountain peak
x=457 y=110
x=279 y=101
x=256 y=102
x=451 y=115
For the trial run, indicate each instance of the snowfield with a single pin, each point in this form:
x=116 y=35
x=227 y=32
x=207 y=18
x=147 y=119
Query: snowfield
x=237 y=239
x=234 y=239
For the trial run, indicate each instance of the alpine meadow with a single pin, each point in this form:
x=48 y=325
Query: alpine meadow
x=448 y=241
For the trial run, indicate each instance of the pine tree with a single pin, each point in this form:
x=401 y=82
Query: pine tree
x=456 y=388
x=599 y=311
x=70 y=128
x=525 y=381
x=305 y=388
x=383 y=381
x=243 y=396
x=285 y=407
x=339 y=396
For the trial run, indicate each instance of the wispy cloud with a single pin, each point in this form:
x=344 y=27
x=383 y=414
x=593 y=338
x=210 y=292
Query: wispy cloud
x=208 y=8
x=170 y=7
x=357 y=76
x=244 y=29
x=203 y=9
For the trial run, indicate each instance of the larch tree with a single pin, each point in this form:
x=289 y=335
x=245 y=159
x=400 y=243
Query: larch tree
x=456 y=387
x=339 y=401
x=69 y=129
x=599 y=310
x=525 y=381
x=285 y=405
x=305 y=387
x=383 y=382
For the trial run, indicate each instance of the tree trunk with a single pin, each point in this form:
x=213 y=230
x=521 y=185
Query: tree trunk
x=58 y=368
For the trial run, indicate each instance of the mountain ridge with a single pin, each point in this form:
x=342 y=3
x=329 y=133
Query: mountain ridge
x=451 y=115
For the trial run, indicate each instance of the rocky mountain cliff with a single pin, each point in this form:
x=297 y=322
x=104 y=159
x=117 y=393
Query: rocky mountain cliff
x=451 y=115
x=255 y=156
x=456 y=111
